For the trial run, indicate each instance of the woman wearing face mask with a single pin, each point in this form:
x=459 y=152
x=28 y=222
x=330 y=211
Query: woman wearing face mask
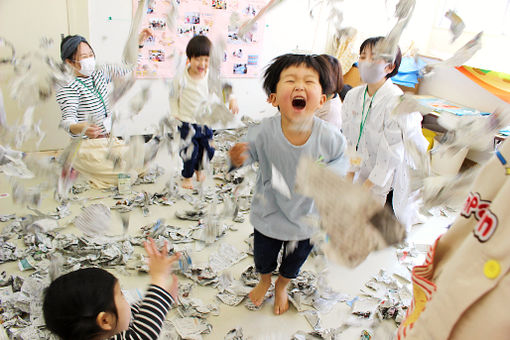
x=375 y=136
x=84 y=103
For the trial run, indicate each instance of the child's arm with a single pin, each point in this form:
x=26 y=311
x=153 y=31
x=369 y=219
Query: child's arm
x=161 y=295
x=149 y=315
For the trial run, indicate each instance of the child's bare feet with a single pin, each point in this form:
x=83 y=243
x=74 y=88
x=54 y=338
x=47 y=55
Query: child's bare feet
x=187 y=183
x=281 y=299
x=200 y=176
x=258 y=293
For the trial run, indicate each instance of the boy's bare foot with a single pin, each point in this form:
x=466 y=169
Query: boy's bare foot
x=187 y=183
x=258 y=293
x=200 y=176
x=281 y=299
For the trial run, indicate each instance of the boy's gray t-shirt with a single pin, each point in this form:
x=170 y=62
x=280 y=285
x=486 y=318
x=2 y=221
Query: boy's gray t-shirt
x=272 y=213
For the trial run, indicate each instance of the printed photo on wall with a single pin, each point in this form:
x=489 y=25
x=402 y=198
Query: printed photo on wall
x=219 y=4
x=150 y=8
x=249 y=37
x=253 y=59
x=240 y=69
x=146 y=70
x=250 y=10
x=149 y=41
x=191 y=30
x=157 y=24
x=157 y=56
x=238 y=53
x=192 y=18
x=232 y=36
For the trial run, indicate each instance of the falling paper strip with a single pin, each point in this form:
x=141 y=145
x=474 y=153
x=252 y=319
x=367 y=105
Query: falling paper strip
x=94 y=220
x=456 y=24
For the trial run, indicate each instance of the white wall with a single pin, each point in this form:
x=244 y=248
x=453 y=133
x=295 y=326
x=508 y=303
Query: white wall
x=49 y=18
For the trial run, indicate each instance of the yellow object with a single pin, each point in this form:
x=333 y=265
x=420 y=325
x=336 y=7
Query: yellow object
x=492 y=269
x=355 y=161
x=429 y=135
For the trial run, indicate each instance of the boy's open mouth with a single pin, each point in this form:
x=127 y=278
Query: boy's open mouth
x=299 y=103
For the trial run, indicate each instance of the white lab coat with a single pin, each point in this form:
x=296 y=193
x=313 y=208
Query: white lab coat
x=381 y=147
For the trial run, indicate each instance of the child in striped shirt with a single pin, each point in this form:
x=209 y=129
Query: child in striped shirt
x=88 y=303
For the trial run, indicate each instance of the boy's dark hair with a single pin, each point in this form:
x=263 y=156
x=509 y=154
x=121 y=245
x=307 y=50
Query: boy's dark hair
x=198 y=46
x=275 y=69
x=335 y=73
x=73 y=301
x=371 y=42
x=69 y=46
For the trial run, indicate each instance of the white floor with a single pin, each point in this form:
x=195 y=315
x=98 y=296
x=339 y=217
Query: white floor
x=262 y=324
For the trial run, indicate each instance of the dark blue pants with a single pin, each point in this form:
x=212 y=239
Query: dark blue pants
x=200 y=144
x=265 y=254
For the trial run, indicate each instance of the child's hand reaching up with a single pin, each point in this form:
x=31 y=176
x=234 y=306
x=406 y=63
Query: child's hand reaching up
x=238 y=154
x=160 y=267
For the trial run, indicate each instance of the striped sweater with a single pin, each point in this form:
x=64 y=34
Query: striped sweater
x=87 y=98
x=148 y=316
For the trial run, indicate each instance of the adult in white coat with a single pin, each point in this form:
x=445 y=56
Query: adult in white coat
x=374 y=135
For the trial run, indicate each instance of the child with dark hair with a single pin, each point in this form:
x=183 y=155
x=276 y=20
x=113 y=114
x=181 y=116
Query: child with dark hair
x=297 y=84
x=191 y=89
x=88 y=303
x=331 y=111
x=374 y=135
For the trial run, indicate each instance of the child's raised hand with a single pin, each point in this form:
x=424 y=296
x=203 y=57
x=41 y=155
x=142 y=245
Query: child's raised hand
x=238 y=154
x=160 y=267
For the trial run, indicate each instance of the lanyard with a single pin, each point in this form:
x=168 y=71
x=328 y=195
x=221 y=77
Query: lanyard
x=95 y=92
x=363 y=120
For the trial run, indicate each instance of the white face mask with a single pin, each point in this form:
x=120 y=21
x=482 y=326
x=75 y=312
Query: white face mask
x=371 y=72
x=88 y=65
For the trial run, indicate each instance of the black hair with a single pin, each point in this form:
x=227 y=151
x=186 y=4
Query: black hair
x=371 y=42
x=335 y=73
x=69 y=47
x=73 y=301
x=279 y=64
x=198 y=46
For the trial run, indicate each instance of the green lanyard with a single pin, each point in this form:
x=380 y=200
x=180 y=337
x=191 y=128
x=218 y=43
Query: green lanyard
x=96 y=93
x=363 y=120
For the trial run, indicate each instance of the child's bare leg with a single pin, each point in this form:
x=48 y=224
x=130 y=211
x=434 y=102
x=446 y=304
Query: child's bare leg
x=187 y=183
x=200 y=175
x=281 y=299
x=259 y=292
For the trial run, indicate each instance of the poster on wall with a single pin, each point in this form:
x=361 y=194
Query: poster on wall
x=212 y=18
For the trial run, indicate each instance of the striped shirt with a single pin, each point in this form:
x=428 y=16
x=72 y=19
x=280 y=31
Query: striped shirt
x=148 y=316
x=86 y=99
